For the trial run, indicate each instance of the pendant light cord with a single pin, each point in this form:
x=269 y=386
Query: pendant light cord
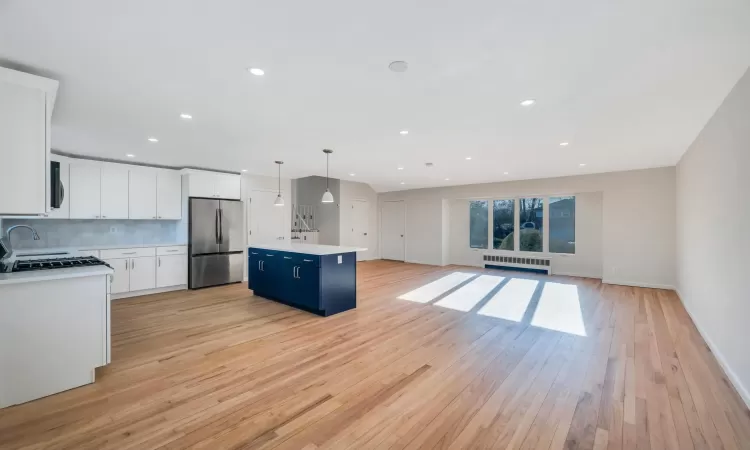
x=327 y=154
x=279 y=179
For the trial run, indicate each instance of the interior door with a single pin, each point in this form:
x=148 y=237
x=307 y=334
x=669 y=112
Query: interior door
x=266 y=222
x=360 y=225
x=231 y=236
x=204 y=219
x=393 y=219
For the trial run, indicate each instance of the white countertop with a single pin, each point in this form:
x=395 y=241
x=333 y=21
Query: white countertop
x=53 y=274
x=309 y=249
x=38 y=251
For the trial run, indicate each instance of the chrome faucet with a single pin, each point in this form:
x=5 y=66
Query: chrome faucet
x=5 y=245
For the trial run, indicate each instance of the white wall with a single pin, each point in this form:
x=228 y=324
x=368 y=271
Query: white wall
x=350 y=191
x=637 y=222
x=252 y=183
x=309 y=191
x=713 y=212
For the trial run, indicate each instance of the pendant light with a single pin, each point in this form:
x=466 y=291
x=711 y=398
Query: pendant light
x=279 y=199
x=327 y=196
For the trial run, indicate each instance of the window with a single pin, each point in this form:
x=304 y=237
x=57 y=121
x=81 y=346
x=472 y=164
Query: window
x=562 y=224
x=503 y=214
x=478 y=223
x=531 y=211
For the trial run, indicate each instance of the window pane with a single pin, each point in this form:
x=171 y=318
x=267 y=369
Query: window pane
x=562 y=224
x=478 y=223
x=502 y=224
x=531 y=211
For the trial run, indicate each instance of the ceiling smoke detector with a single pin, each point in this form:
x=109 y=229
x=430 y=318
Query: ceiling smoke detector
x=429 y=164
x=398 y=66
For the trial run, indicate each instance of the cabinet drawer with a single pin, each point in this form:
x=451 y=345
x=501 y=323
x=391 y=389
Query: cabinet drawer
x=174 y=250
x=307 y=260
x=128 y=253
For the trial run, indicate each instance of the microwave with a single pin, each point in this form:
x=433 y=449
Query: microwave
x=57 y=190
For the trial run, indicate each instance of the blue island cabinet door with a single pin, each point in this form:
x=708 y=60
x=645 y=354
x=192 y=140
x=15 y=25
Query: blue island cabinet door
x=255 y=280
x=270 y=269
x=308 y=280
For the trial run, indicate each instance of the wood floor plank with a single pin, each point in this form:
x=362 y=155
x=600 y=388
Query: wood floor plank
x=221 y=368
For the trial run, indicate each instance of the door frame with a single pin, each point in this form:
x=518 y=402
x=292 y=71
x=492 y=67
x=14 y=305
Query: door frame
x=247 y=221
x=380 y=227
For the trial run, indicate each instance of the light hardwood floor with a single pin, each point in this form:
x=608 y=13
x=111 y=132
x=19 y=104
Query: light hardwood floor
x=219 y=369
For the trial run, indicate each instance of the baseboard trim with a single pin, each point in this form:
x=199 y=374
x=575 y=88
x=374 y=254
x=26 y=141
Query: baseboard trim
x=733 y=378
x=577 y=275
x=181 y=287
x=668 y=287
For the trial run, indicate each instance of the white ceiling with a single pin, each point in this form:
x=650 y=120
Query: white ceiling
x=628 y=83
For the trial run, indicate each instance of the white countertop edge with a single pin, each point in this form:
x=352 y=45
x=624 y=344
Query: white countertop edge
x=36 y=251
x=53 y=274
x=309 y=249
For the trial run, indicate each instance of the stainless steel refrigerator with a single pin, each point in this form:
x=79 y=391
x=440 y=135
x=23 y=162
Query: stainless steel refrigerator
x=216 y=242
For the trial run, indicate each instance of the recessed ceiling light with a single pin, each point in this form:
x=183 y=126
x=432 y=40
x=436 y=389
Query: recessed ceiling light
x=528 y=102
x=582 y=165
x=244 y=170
x=403 y=132
x=403 y=182
x=563 y=144
x=352 y=174
x=400 y=168
x=130 y=155
x=186 y=116
x=447 y=179
x=153 y=139
x=505 y=173
x=399 y=66
x=468 y=158
x=255 y=71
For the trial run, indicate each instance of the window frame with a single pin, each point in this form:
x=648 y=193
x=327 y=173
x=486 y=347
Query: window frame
x=516 y=225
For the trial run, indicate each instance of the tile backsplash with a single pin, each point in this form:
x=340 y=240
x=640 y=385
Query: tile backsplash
x=82 y=233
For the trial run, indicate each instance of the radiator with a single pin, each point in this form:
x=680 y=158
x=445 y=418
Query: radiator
x=538 y=265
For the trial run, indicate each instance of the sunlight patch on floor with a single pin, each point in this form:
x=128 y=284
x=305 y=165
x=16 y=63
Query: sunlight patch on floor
x=468 y=296
x=433 y=290
x=511 y=301
x=559 y=309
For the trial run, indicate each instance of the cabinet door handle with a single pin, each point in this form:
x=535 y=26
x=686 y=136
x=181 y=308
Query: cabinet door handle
x=287 y=257
x=132 y=264
x=253 y=253
x=160 y=261
x=104 y=217
x=129 y=253
x=270 y=255
x=126 y=264
x=307 y=260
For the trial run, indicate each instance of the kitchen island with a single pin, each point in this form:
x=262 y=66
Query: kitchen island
x=321 y=279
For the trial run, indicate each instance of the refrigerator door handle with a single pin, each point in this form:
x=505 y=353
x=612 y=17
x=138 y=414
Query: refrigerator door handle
x=216 y=224
x=221 y=226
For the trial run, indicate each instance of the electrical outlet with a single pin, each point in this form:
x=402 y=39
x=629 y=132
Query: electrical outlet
x=113 y=229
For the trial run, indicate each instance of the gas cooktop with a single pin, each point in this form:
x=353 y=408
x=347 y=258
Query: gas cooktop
x=55 y=263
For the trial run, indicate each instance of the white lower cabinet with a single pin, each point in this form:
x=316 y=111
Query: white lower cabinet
x=171 y=270
x=144 y=269
x=142 y=273
x=121 y=278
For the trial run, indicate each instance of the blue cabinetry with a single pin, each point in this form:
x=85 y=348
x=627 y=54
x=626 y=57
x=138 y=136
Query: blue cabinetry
x=322 y=284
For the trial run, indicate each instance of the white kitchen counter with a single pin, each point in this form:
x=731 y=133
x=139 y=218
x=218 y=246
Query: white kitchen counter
x=53 y=274
x=309 y=249
x=37 y=251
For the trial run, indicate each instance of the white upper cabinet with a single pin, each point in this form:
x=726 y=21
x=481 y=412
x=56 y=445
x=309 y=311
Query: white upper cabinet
x=114 y=191
x=26 y=103
x=228 y=186
x=85 y=190
x=202 y=184
x=142 y=193
x=214 y=185
x=169 y=195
